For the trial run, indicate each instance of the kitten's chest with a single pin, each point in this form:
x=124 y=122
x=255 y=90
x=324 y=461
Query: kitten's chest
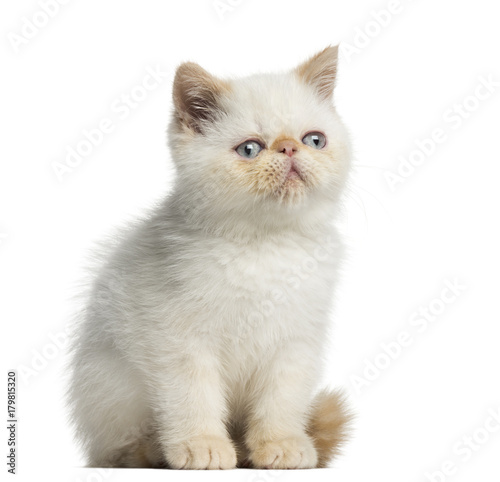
x=266 y=267
x=276 y=276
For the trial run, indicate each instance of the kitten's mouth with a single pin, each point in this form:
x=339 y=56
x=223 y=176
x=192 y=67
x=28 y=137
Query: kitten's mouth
x=289 y=181
x=293 y=172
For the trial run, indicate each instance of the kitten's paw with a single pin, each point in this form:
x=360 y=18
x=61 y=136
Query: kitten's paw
x=204 y=452
x=288 y=453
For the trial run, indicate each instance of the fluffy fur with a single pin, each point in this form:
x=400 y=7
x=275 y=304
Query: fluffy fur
x=202 y=339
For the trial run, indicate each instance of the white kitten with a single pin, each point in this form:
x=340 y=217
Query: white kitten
x=202 y=341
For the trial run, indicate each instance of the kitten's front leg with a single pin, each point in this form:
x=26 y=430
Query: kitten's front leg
x=281 y=394
x=193 y=433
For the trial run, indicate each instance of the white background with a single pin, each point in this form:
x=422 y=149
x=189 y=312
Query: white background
x=440 y=224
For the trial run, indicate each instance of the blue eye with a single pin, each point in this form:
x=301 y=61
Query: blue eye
x=249 y=149
x=315 y=140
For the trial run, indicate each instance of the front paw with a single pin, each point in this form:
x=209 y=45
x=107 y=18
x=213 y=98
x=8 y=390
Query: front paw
x=203 y=452
x=290 y=453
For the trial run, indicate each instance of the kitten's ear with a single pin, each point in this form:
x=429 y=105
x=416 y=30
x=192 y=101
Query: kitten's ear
x=320 y=71
x=197 y=96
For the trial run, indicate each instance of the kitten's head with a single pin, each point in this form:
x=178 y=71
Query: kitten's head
x=267 y=146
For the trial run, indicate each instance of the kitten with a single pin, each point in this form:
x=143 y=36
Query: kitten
x=202 y=342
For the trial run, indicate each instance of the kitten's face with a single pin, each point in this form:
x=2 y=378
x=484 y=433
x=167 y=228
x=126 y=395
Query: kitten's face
x=269 y=142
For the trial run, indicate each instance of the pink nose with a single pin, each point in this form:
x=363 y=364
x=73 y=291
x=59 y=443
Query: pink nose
x=287 y=147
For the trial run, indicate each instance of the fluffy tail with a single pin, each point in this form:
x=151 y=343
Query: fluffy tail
x=329 y=424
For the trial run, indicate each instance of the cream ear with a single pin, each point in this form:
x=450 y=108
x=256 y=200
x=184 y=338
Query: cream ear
x=196 y=95
x=320 y=71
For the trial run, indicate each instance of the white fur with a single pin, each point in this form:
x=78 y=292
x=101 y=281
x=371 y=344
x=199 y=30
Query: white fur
x=212 y=313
